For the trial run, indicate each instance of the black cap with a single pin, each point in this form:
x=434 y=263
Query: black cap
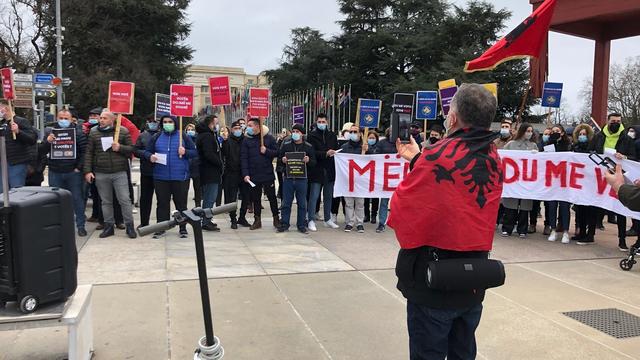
x=416 y=124
x=235 y=123
x=299 y=128
x=95 y=111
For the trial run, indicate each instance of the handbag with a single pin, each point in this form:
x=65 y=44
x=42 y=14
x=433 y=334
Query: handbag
x=460 y=274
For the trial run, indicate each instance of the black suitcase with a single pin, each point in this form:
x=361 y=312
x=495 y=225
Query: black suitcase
x=38 y=255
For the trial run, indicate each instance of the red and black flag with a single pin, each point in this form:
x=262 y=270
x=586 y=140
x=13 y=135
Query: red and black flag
x=526 y=40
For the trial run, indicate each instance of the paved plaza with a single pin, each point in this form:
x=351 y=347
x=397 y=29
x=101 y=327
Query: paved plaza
x=328 y=295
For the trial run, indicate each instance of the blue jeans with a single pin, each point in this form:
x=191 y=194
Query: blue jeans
x=17 y=176
x=73 y=182
x=438 y=333
x=383 y=211
x=209 y=195
x=291 y=187
x=565 y=214
x=314 y=197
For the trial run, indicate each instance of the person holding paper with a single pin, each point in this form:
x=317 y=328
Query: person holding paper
x=256 y=161
x=194 y=168
x=210 y=156
x=67 y=173
x=108 y=168
x=21 y=140
x=146 y=169
x=613 y=139
x=170 y=170
x=294 y=185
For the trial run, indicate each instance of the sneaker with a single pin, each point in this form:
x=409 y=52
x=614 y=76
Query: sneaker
x=547 y=230
x=312 y=226
x=565 y=238
x=585 y=242
x=334 y=218
x=282 y=229
x=303 y=230
x=360 y=228
x=522 y=236
x=331 y=224
x=82 y=232
x=505 y=234
x=373 y=219
x=623 y=248
x=579 y=237
x=532 y=229
x=183 y=233
x=348 y=228
x=632 y=232
x=210 y=227
x=380 y=228
x=158 y=235
x=553 y=236
x=243 y=222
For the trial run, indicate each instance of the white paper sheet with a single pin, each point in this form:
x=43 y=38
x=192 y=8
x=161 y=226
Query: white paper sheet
x=550 y=148
x=162 y=158
x=107 y=141
x=252 y=184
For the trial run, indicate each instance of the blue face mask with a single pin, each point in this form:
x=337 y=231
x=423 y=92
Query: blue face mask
x=64 y=123
x=296 y=137
x=545 y=138
x=353 y=137
x=237 y=133
x=191 y=133
x=153 y=126
x=371 y=141
x=322 y=127
x=250 y=131
x=583 y=138
x=93 y=121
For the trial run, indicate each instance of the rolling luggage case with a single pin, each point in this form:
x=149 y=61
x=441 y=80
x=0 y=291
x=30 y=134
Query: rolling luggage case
x=38 y=255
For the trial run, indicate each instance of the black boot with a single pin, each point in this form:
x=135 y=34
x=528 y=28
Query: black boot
x=131 y=231
x=107 y=231
x=209 y=226
x=242 y=221
x=234 y=223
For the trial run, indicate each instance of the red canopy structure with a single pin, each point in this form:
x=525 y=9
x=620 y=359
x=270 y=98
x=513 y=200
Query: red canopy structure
x=597 y=20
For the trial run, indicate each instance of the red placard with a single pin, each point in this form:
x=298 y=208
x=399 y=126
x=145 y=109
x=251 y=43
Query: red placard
x=8 y=90
x=121 y=97
x=259 y=102
x=220 y=91
x=181 y=100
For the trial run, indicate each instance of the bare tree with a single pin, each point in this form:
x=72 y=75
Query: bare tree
x=22 y=34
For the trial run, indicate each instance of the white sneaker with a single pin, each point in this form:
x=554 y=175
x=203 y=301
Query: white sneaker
x=331 y=224
x=553 y=236
x=312 y=226
x=334 y=218
x=565 y=238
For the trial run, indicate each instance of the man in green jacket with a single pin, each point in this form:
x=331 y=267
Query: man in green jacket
x=629 y=195
x=106 y=162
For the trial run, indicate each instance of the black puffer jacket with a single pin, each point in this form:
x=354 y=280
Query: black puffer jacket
x=289 y=145
x=146 y=166
x=210 y=155
x=65 y=166
x=256 y=165
x=21 y=150
x=325 y=170
x=231 y=155
x=351 y=147
x=385 y=146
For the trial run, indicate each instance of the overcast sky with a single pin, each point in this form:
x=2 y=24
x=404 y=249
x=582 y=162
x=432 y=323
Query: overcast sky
x=252 y=33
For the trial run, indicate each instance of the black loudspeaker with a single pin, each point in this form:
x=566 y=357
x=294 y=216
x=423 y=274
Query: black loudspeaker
x=38 y=255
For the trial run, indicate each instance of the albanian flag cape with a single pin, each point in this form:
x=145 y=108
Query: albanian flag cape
x=450 y=198
x=524 y=41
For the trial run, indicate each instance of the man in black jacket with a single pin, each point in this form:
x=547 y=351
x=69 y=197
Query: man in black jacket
x=146 y=170
x=210 y=163
x=294 y=185
x=323 y=175
x=67 y=173
x=614 y=139
x=232 y=180
x=19 y=149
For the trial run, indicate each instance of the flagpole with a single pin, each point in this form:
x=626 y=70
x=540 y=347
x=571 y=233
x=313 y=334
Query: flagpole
x=349 y=100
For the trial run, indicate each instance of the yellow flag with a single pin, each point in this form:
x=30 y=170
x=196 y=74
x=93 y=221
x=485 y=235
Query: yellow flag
x=493 y=88
x=446 y=84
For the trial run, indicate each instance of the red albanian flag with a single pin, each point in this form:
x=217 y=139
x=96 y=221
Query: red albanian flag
x=524 y=41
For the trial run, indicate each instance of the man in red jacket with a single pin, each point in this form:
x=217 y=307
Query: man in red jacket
x=451 y=196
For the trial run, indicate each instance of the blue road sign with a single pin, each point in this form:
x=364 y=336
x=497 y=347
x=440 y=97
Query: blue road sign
x=43 y=78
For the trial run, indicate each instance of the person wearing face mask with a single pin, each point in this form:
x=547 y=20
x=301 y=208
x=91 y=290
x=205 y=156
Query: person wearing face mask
x=19 y=149
x=416 y=126
x=67 y=174
x=517 y=210
x=108 y=168
x=210 y=163
x=194 y=168
x=586 y=216
x=559 y=212
x=232 y=175
x=322 y=176
x=371 y=204
x=354 y=207
x=435 y=134
x=613 y=139
x=146 y=169
x=505 y=133
x=171 y=175
x=280 y=167
x=295 y=186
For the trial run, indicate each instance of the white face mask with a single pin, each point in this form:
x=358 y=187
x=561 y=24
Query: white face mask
x=632 y=134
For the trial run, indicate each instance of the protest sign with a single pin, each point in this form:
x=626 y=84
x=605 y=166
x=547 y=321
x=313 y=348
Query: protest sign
x=493 y=88
x=296 y=168
x=559 y=176
x=426 y=105
x=64 y=145
x=220 y=91
x=368 y=113
x=446 y=95
x=163 y=106
x=181 y=100
x=403 y=103
x=8 y=86
x=259 y=103
x=444 y=84
x=551 y=94
x=121 y=97
x=298 y=114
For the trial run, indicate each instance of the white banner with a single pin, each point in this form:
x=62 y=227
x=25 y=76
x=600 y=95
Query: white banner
x=563 y=176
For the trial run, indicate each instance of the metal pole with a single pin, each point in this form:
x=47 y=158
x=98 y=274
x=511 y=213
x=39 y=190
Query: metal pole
x=58 y=55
